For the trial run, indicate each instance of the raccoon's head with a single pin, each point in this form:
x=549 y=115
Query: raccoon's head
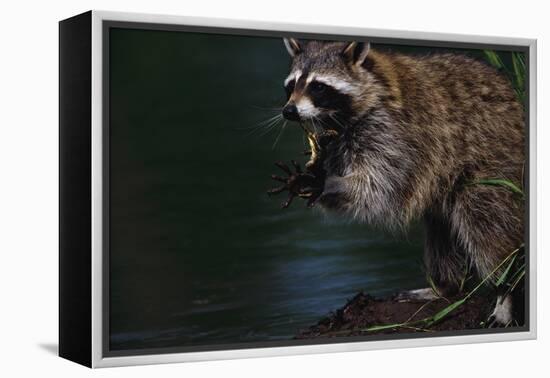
x=327 y=81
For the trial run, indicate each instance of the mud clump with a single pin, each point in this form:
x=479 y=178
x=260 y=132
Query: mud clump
x=365 y=311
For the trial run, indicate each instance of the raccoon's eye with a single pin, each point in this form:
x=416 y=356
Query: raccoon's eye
x=317 y=88
x=289 y=88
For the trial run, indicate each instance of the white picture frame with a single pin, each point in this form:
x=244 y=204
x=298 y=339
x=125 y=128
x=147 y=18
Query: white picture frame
x=99 y=359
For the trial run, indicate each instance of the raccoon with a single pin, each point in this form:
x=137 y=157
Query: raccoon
x=413 y=134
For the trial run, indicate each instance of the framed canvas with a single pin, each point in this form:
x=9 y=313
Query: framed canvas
x=235 y=189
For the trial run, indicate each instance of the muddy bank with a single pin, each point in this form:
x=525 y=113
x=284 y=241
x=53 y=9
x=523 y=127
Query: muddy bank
x=364 y=311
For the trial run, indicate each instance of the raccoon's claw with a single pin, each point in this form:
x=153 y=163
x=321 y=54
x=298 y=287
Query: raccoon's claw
x=288 y=201
x=298 y=184
x=284 y=167
x=296 y=166
x=276 y=190
x=311 y=194
x=313 y=199
x=278 y=178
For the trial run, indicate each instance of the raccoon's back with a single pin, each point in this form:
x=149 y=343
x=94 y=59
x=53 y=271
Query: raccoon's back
x=454 y=84
x=466 y=105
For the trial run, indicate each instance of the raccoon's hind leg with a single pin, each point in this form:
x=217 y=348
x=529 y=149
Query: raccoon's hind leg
x=489 y=221
x=445 y=259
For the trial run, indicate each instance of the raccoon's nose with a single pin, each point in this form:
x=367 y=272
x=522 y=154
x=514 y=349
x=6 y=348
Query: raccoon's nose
x=290 y=112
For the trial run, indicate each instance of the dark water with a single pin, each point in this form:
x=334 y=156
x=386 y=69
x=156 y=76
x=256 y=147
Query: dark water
x=199 y=254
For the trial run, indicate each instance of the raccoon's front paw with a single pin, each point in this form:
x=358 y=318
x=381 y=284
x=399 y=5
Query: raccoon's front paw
x=298 y=184
x=424 y=294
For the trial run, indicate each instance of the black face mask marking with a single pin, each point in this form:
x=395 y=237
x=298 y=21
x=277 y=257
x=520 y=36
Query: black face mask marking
x=289 y=88
x=326 y=97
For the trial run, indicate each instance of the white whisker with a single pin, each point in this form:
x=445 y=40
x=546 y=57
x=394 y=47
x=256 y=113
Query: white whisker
x=265 y=126
x=279 y=136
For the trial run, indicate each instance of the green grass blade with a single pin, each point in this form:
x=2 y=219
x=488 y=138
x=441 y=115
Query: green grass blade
x=519 y=71
x=504 y=274
x=383 y=327
x=493 y=58
x=520 y=95
x=517 y=272
x=433 y=286
x=520 y=57
x=441 y=314
x=500 y=182
x=516 y=73
x=487 y=277
x=522 y=274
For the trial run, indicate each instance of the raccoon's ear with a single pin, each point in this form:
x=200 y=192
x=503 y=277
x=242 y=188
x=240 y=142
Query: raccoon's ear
x=356 y=52
x=292 y=46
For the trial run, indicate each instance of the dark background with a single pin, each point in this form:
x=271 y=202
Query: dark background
x=198 y=253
